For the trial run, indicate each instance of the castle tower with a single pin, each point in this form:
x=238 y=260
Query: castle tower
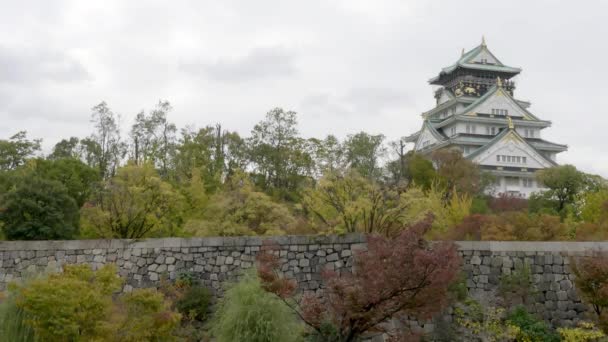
x=476 y=111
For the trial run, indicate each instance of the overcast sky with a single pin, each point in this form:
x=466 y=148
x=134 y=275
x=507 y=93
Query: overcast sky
x=344 y=66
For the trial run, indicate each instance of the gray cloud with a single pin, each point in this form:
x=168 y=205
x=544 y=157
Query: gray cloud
x=259 y=63
x=25 y=66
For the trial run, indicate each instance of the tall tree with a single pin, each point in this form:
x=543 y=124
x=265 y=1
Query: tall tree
x=154 y=138
x=215 y=153
x=107 y=140
x=364 y=153
x=278 y=153
x=328 y=154
x=38 y=209
x=15 y=150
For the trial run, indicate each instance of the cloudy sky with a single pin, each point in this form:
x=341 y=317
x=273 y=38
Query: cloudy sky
x=344 y=66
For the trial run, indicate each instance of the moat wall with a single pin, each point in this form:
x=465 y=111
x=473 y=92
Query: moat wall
x=218 y=260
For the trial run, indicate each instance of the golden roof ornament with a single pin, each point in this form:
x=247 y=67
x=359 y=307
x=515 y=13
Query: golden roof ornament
x=462 y=52
x=483 y=41
x=511 y=126
x=498 y=82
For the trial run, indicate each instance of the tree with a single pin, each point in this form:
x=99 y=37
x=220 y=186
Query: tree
x=457 y=173
x=153 y=138
x=352 y=203
x=364 y=152
x=38 y=209
x=595 y=207
x=15 y=150
x=215 y=153
x=240 y=210
x=378 y=288
x=78 y=178
x=278 y=154
x=66 y=149
x=328 y=155
x=135 y=203
x=420 y=171
x=564 y=183
x=106 y=143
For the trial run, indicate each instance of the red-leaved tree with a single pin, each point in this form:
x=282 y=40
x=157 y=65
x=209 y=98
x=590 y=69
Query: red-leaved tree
x=400 y=276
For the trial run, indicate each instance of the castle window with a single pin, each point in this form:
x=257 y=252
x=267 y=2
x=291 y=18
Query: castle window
x=471 y=129
x=511 y=159
x=528 y=182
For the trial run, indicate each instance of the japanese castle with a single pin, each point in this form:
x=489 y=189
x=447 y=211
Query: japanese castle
x=476 y=111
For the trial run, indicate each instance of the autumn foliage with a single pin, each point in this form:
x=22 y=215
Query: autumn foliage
x=399 y=276
x=592 y=284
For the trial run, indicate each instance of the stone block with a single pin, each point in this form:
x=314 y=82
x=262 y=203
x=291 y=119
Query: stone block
x=475 y=260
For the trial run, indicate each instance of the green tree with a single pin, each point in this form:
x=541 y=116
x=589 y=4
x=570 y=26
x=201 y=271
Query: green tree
x=154 y=138
x=364 y=152
x=352 y=203
x=15 y=151
x=278 y=154
x=328 y=154
x=134 y=204
x=563 y=184
x=240 y=210
x=420 y=171
x=216 y=154
x=66 y=148
x=38 y=209
x=106 y=144
x=78 y=178
x=595 y=207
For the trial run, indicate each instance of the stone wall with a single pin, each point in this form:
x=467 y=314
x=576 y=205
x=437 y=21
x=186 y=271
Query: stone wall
x=212 y=260
x=217 y=260
x=553 y=295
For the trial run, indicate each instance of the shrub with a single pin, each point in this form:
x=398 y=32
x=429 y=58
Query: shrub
x=143 y=315
x=485 y=323
x=248 y=313
x=79 y=305
x=194 y=303
x=592 y=284
x=517 y=287
x=69 y=306
x=584 y=332
x=530 y=328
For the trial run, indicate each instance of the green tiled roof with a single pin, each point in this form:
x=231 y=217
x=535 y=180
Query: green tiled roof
x=465 y=61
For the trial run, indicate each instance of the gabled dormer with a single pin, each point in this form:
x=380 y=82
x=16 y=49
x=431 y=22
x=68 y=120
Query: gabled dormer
x=497 y=102
x=428 y=136
x=509 y=149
